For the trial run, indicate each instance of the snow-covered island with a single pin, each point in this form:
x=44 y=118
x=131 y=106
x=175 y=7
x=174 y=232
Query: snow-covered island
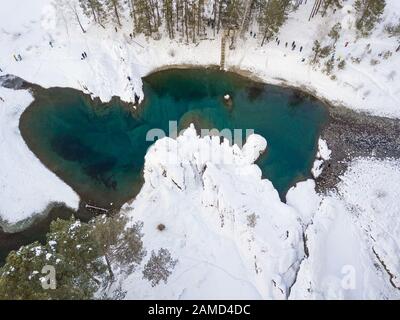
x=210 y=226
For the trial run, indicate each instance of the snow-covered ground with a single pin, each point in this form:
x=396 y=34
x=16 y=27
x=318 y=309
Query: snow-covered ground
x=26 y=185
x=235 y=239
x=354 y=238
x=227 y=227
x=113 y=56
x=222 y=222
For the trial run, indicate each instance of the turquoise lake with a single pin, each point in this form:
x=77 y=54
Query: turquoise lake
x=98 y=149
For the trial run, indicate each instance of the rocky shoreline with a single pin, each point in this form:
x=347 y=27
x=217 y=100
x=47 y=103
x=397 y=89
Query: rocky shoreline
x=351 y=135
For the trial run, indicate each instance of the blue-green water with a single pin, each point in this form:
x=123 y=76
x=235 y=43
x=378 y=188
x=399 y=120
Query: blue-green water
x=98 y=149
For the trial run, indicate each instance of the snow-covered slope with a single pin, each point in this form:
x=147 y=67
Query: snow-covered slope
x=234 y=238
x=230 y=232
x=113 y=56
x=26 y=185
x=353 y=241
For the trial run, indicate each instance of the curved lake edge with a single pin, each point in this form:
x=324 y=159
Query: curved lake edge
x=339 y=117
x=95 y=102
x=353 y=125
x=250 y=75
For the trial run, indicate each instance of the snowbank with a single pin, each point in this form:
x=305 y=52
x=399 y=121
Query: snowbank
x=323 y=154
x=229 y=230
x=235 y=239
x=304 y=199
x=26 y=185
x=353 y=241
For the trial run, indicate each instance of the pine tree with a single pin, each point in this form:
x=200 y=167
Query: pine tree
x=145 y=17
x=220 y=6
x=186 y=19
x=19 y=277
x=94 y=9
x=73 y=240
x=315 y=9
x=74 y=258
x=159 y=267
x=132 y=14
x=342 y=64
x=232 y=12
x=67 y=7
x=335 y=32
x=369 y=13
x=121 y=246
x=329 y=66
x=319 y=52
x=82 y=255
x=393 y=29
x=200 y=20
x=273 y=17
x=246 y=18
x=331 y=4
x=168 y=10
x=114 y=9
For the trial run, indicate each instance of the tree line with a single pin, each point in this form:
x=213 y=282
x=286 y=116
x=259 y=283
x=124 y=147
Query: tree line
x=190 y=19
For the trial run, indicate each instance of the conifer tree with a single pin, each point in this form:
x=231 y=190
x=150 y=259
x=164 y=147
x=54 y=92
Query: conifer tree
x=82 y=255
x=68 y=7
x=319 y=52
x=145 y=17
x=273 y=17
x=200 y=20
x=159 y=267
x=335 y=32
x=114 y=9
x=168 y=11
x=120 y=245
x=232 y=12
x=19 y=277
x=94 y=9
x=331 y=4
x=69 y=251
x=246 y=18
x=369 y=13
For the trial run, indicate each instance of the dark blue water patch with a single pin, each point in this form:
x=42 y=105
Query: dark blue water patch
x=99 y=149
